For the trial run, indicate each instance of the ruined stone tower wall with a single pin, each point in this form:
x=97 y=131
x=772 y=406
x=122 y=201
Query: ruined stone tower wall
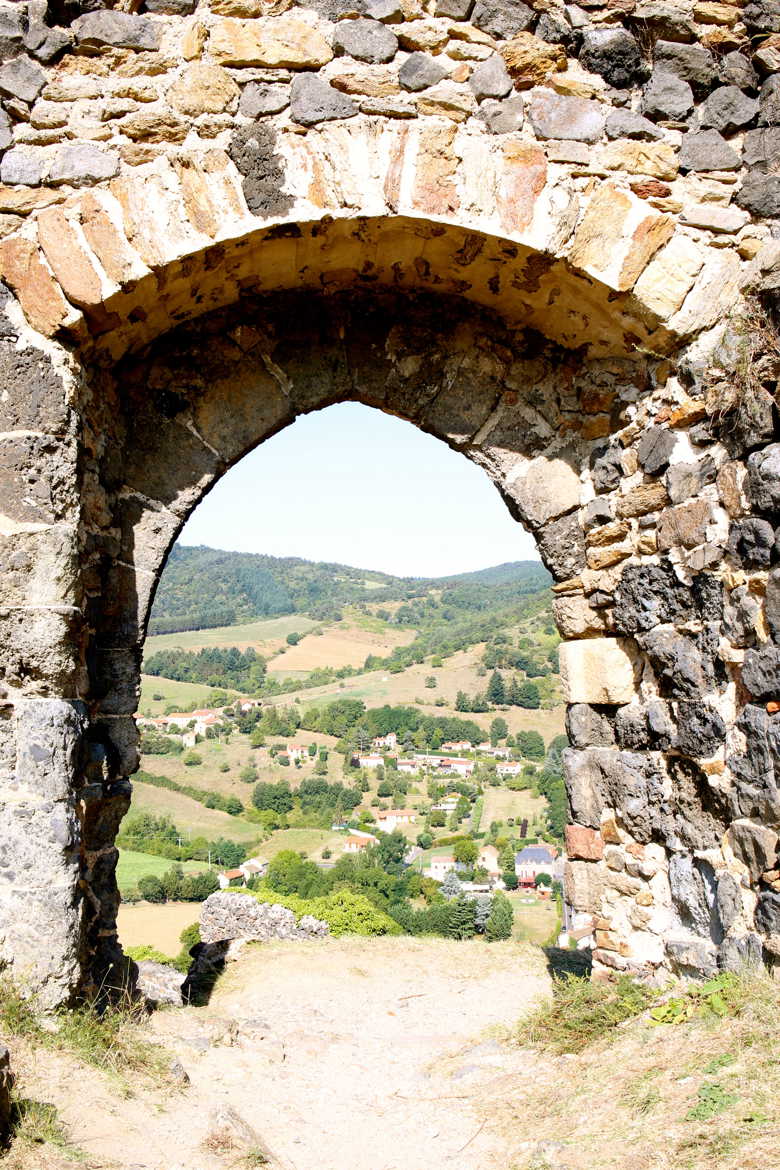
x=544 y=233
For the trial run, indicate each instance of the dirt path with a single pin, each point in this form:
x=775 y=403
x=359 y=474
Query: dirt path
x=348 y=1054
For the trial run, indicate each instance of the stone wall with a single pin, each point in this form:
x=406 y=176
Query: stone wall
x=546 y=234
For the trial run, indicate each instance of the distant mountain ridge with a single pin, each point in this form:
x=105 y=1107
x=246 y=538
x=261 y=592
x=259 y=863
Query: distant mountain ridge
x=205 y=587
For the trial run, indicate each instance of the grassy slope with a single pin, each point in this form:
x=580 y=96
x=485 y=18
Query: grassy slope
x=261 y=634
x=191 y=816
x=133 y=866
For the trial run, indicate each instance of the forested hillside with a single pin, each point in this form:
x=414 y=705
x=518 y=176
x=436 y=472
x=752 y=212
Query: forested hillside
x=203 y=587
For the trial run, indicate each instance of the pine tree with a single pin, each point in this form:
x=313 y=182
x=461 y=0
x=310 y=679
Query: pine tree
x=513 y=692
x=506 y=858
x=499 y=924
x=529 y=696
x=450 y=887
x=463 y=918
x=496 y=691
x=462 y=702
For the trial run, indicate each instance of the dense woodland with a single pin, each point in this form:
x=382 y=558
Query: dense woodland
x=203 y=587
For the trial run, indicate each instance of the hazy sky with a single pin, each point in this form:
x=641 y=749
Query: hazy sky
x=353 y=485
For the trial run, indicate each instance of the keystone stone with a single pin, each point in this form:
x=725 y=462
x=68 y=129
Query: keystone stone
x=568 y=118
x=707 y=150
x=667 y=96
x=614 y=54
x=490 y=79
x=115 y=30
x=365 y=40
x=313 y=100
x=502 y=18
x=420 y=71
x=502 y=117
x=82 y=165
x=728 y=109
x=22 y=78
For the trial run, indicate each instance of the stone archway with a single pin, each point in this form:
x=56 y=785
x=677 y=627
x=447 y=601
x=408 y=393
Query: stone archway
x=514 y=274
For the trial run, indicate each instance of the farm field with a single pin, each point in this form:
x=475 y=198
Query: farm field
x=190 y=816
x=502 y=802
x=185 y=696
x=146 y=924
x=262 y=635
x=340 y=644
x=308 y=841
x=132 y=866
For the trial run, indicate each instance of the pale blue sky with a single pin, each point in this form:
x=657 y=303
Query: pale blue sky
x=353 y=485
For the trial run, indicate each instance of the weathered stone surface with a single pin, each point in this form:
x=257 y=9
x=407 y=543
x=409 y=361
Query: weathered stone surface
x=692 y=63
x=420 y=71
x=490 y=79
x=666 y=96
x=82 y=165
x=155 y=126
x=568 y=118
x=605 y=778
x=707 y=151
x=253 y=150
x=21 y=167
x=761 y=149
x=755 y=845
x=583 y=885
x=768 y=912
x=159 y=984
x=289 y=41
x=203 y=89
x=701 y=729
x=40 y=297
x=728 y=109
x=22 y=78
x=751 y=541
x=761 y=672
x=685 y=525
x=587 y=726
x=760 y=195
x=562 y=547
x=226 y=916
x=597 y=670
x=503 y=117
x=646 y=158
x=683 y=671
x=96 y=31
x=625 y=124
x=764 y=478
x=365 y=40
x=502 y=18
x=313 y=100
x=531 y=61
x=258 y=99
x=691 y=956
x=583 y=844
x=613 y=53
x=654 y=449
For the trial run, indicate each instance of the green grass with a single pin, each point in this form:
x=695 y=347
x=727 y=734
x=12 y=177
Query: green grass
x=133 y=865
x=255 y=633
x=309 y=841
x=185 y=696
x=190 y=816
x=581 y=1012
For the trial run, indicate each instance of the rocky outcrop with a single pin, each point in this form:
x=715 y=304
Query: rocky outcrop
x=227 y=916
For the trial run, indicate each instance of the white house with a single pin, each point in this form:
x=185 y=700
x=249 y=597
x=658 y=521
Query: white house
x=356 y=842
x=371 y=761
x=253 y=867
x=511 y=768
x=439 y=867
x=457 y=745
x=488 y=859
x=391 y=818
x=229 y=876
x=447 y=804
x=458 y=765
x=386 y=741
x=409 y=767
x=296 y=752
x=533 y=860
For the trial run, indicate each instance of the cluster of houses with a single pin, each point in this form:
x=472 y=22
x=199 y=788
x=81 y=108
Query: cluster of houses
x=449 y=762
x=191 y=723
x=529 y=863
x=243 y=873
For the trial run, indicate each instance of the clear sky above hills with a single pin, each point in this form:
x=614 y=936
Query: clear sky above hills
x=353 y=485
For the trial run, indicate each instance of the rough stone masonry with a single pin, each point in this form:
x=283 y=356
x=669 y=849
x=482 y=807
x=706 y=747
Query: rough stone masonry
x=547 y=233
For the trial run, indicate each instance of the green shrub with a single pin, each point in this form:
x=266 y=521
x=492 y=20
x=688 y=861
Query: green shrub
x=147 y=953
x=345 y=911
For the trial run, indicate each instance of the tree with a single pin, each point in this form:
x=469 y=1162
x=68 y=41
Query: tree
x=510 y=879
x=257 y=738
x=430 y=681
x=248 y=774
x=484 y=904
x=192 y=759
x=438 y=818
x=450 y=887
x=513 y=692
x=506 y=857
x=496 y=691
x=424 y=840
x=151 y=888
x=466 y=851
x=542 y=879
x=276 y=797
x=499 y=924
x=171 y=882
x=531 y=744
x=462 y=702
x=233 y=806
x=384 y=789
x=498 y=730
x=463 y=917
x=391 y=850
x=528 y=696
x=293 y=639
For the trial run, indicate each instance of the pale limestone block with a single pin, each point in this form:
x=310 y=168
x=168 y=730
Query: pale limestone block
x=597 y=670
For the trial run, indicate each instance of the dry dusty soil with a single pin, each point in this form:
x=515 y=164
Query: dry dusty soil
x=343 y=1054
